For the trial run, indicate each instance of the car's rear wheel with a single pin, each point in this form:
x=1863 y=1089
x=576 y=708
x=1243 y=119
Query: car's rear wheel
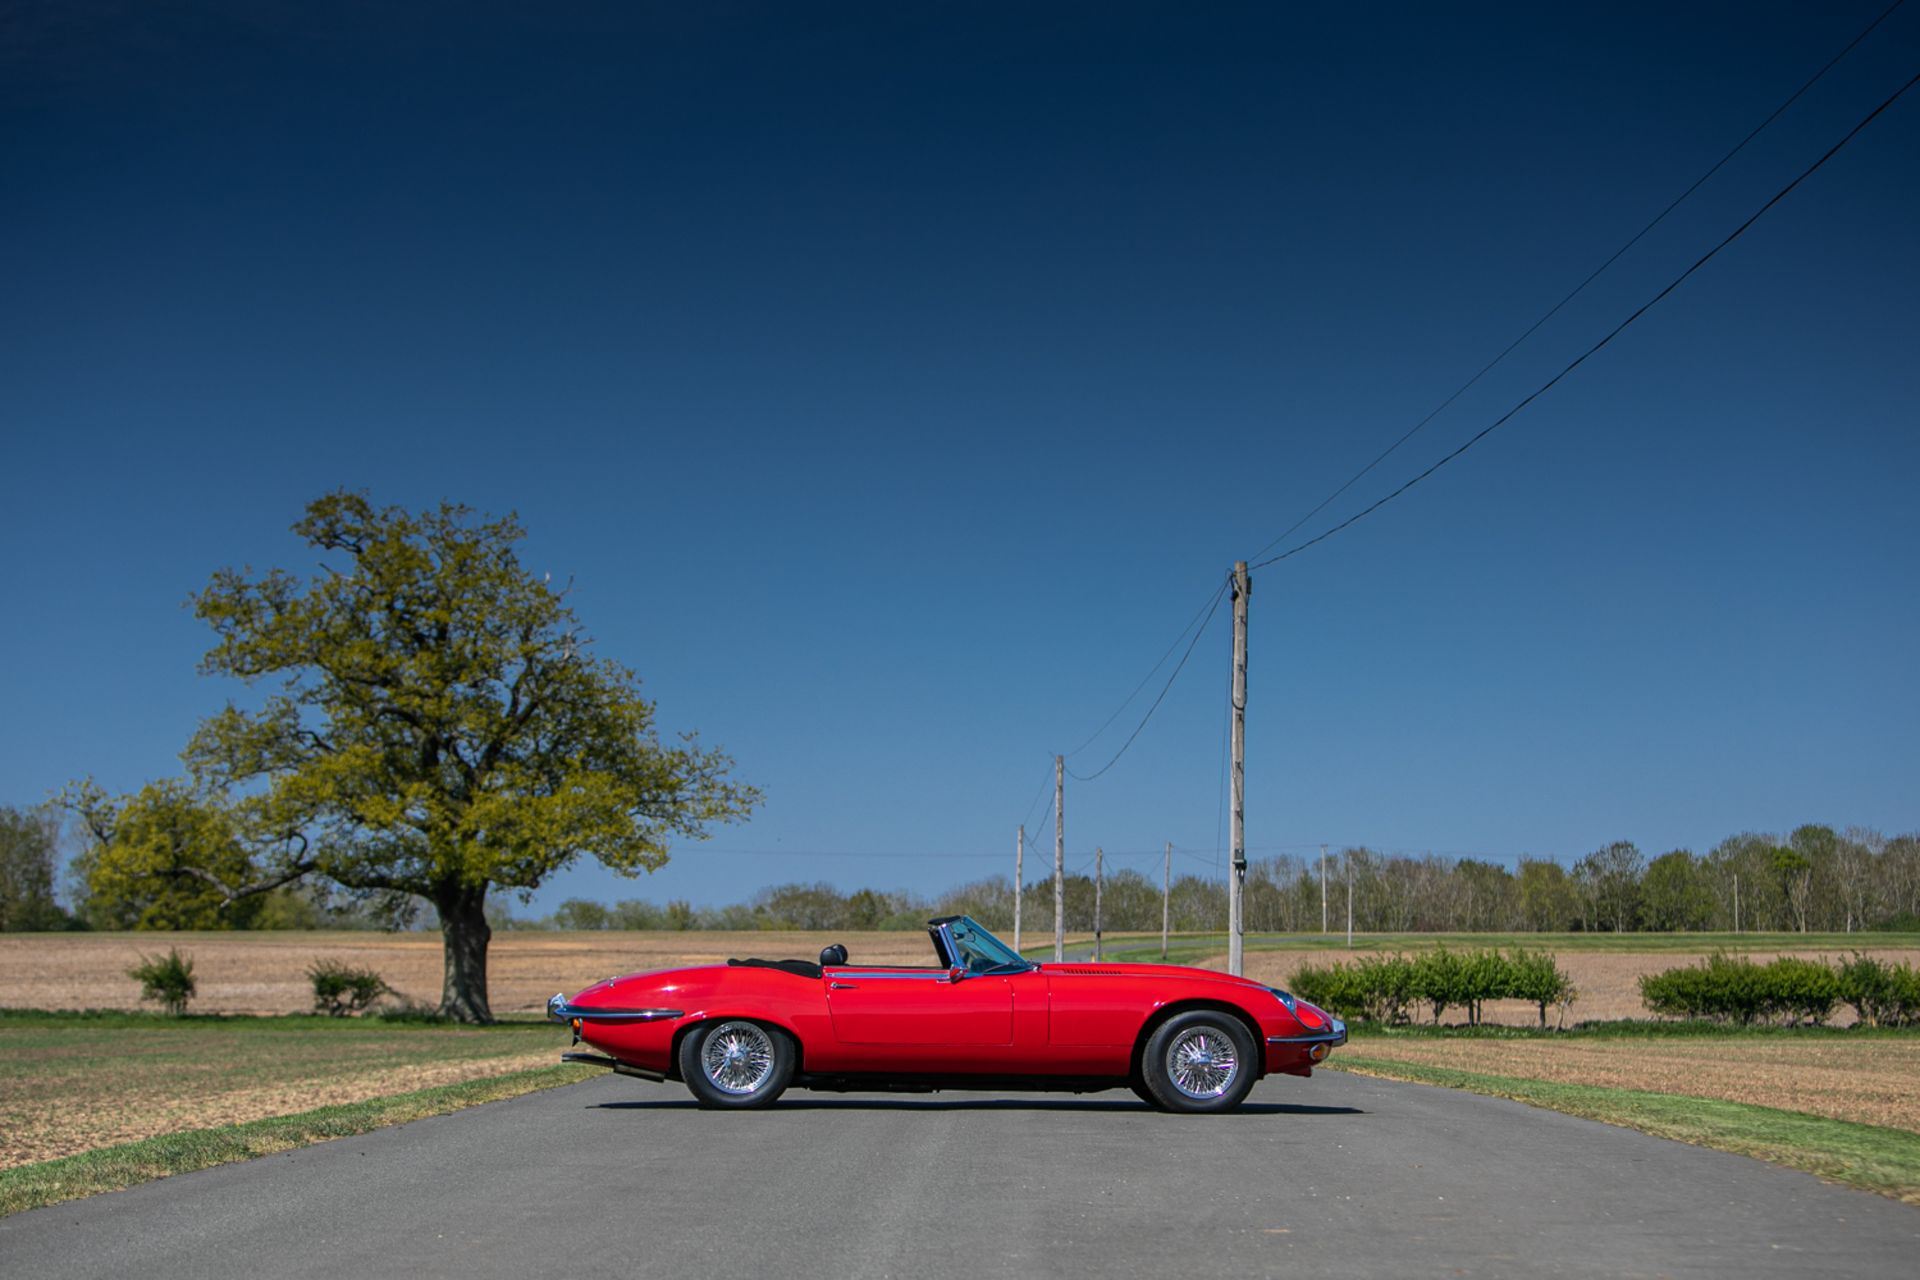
x=736 y=1064
x=1200 y=1061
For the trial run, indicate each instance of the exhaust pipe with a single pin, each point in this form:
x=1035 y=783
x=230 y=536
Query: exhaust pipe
x=614 y=1065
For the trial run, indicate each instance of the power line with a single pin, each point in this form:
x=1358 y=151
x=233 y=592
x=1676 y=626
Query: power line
x=1615 y=332
x=1204 y=605
x=1048 y=782
x=829 y=853
x=1212 y=609
x=1579 y=288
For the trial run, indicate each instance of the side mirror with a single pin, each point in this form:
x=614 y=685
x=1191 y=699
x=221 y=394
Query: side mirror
x=955 y=974
x=835 y=954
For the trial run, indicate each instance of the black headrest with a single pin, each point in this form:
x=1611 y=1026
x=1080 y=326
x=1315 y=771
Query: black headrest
x=835 y=954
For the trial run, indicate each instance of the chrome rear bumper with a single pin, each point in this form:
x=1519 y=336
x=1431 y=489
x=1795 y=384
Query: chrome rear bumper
x=560 y=1011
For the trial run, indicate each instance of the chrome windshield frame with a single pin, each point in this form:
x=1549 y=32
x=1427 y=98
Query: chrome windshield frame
x=949 y=948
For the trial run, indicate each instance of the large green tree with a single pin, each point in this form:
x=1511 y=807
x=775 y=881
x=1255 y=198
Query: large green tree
x=436 y=725
x=160 y=858
x=1674 y=894
x=28 y=851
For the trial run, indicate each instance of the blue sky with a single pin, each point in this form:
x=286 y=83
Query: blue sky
x=895 y=381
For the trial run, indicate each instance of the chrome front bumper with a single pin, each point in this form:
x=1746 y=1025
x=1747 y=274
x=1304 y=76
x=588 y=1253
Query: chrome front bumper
x=1333 y=1037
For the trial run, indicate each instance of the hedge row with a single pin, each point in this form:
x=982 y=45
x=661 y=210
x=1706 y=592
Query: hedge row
x=1385 y=988
x=1727 y=988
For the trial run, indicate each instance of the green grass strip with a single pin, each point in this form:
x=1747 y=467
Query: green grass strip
x=114 y=1168
x=1629 y=1029
x=1867 y=1156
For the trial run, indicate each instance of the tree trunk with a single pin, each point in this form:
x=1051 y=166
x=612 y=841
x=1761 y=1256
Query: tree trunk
x=464 y=933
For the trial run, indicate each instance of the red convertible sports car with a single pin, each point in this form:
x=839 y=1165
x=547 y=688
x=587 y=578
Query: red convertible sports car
x=983 y=1017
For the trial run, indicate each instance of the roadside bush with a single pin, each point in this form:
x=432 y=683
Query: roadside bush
x=167 y=980
x=1870 y=985
x=1734 y=989
x=1386 y=987
x=1484 y=976
x=1439 y=980
x=1333 y=987
x=340 y=990
x=1800 y=990
x=1383 y=989
x=1537 y=978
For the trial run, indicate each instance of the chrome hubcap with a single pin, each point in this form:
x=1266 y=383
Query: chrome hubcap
x=737 y=1057
x=1202 y=1063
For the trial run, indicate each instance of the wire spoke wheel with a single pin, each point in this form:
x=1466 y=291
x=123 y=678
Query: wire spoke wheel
x=1202 y=1063
x=737 y=1057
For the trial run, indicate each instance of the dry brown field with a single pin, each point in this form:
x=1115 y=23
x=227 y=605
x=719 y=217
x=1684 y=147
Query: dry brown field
x=266 y=973
x=1870 y=1080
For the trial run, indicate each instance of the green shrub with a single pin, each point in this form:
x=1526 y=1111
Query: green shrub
x=1439 y=980
x=1734 y=989
x=1800 y=989
x=340 y=990
x=1903 y=998
x=1385 y=987
x=167 y=980
x=1537 y=978
x=1484 y=976
x=1330 y=986
x=1882 y=994
x=1721 y=987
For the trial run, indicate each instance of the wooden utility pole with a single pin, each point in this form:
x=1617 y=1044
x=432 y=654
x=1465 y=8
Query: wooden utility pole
x=1736 y=902
x=1099 y=877
x=1349 y=857
x=1237 y=878
x=1323 y=890
x=1019 y=883
x=1166 y=899
x=1059 y=860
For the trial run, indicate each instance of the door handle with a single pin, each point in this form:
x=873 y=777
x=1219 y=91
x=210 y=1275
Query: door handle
x=843 y=986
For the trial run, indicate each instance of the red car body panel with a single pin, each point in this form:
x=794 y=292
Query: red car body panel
x=1075 y=1022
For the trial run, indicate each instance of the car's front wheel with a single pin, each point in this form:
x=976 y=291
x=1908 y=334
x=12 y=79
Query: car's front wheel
x=736 y=1064
x=1200 y=1061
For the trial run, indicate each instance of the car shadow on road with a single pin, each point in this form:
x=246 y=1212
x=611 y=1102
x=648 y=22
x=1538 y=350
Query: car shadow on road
x=919 y=1102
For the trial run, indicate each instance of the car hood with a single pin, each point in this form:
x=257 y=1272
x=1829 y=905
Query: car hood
x=1095 y=969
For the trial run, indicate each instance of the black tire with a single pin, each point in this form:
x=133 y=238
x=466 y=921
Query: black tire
x=736 y=1064
x=1200 y=1062
x=1143 y=1093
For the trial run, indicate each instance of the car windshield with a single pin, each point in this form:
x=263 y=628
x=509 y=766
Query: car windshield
x=980 y=951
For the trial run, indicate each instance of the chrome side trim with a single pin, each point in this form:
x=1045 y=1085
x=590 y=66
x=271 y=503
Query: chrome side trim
x=935 y=975
x=560 y=1011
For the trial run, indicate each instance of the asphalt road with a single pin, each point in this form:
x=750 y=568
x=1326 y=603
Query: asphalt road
x=1337 y=1175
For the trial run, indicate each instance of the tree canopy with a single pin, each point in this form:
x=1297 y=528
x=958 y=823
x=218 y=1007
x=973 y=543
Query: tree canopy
x=434 y=724
x=28 y=851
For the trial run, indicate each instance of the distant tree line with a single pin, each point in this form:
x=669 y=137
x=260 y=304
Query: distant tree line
x=1812 y=879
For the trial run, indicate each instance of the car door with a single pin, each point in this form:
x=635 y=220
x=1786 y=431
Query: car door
x=918 y=1007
